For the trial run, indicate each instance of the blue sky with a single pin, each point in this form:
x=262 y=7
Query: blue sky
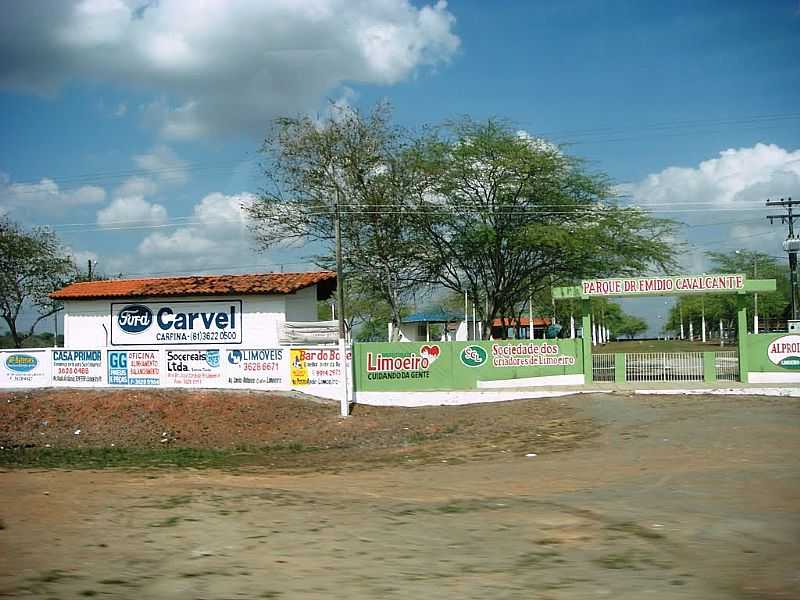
x=132 y=127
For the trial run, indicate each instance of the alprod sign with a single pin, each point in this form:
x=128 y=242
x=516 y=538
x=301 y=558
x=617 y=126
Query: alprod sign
x=683 y=284
x=176 y=323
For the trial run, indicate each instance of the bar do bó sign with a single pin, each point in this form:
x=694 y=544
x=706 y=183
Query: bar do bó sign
x=685 y=284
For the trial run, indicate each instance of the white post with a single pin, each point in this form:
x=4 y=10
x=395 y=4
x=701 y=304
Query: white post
x=466 y=313
x=427 y=331
x=344 y=405
x=572 y=327
x=755 y=314
x=474 y=323
x=691 y=330
x=721 y=334
x=594 y=333
x=530 y=317
x=391 y=331
x=703 y=324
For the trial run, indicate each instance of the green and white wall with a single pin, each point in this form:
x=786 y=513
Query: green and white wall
x=773 y=358
x=412 y=374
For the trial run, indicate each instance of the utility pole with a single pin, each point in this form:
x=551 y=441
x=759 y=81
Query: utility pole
x=791 y=244
x=344 y=405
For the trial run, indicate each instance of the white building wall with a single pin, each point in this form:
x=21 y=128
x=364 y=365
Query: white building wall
x=87 y=323
x=302 y=305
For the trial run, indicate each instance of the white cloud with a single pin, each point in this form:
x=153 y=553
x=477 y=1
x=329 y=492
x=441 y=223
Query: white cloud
x=736 y=178
x=216 y=237
x=45 y=197
x=162 y=162
x=226 y=67
x=723 y=199
x=131 y=210
x=136 y=186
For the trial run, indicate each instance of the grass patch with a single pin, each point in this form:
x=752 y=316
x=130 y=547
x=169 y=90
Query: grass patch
x=171 y=522
x=103 y=458
x=618 y=561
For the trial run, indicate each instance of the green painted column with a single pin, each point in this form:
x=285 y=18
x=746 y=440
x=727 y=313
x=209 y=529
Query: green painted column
x=586 y=337
x=741 y=326
x=619 y=367
x=709 y=367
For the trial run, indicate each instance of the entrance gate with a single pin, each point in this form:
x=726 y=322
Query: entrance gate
x=672 y=366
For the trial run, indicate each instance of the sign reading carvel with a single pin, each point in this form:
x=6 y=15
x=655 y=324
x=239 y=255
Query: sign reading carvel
x=25 y=368
x=530 y=355
x=687 y=284
x=193 y=367
x=77 y=367
x=133 y=367
x=316 y=366
x=402 y=364
x=257 y=367
x=785 y=352
x=176 y=323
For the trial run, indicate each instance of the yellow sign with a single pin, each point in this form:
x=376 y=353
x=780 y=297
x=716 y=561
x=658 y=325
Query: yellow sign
x=298 y=368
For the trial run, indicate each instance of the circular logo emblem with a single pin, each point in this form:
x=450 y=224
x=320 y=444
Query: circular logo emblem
x=135 y=318
x=473 y=356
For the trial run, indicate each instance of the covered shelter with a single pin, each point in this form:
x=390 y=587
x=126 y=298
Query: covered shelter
x=417 y=327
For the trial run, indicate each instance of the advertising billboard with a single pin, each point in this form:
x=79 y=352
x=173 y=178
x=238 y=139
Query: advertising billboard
x=25 y=368
x=201 y=367
x=176 y=323
x=266 y=368
x=134 y=367
x=78 y=367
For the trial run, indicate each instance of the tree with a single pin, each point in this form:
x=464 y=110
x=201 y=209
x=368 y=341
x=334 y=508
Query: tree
x=723 y=307
x=350 y=164
x=632 y=326
x=32 y=264
x=504 y=216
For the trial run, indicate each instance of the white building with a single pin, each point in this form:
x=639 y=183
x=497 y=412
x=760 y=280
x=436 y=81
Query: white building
x=220 y=310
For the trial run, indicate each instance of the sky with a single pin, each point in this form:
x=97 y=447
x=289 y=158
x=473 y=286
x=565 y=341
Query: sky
x=132 y=127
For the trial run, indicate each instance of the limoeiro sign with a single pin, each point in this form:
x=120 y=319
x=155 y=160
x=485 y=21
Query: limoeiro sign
x=409 y=366
x=176 y=323
x=684 y=284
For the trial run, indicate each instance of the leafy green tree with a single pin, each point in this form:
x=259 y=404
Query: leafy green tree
x=504 y=216
x=351 y=166
x=631 y=326
x=32 y=264
x=722 y=307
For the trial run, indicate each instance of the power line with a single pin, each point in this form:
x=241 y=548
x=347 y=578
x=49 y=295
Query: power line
x=663 y=129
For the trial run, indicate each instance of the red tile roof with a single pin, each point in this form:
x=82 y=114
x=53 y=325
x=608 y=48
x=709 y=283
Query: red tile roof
x=523 y=322
x=200 y=285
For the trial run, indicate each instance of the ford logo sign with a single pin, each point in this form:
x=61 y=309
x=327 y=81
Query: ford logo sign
x=21 y=363
x=135 y=318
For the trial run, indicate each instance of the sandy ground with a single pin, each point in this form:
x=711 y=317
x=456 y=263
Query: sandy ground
x=690 y=497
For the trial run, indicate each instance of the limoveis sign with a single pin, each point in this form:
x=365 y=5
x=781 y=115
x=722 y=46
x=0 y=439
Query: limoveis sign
x=685 y=284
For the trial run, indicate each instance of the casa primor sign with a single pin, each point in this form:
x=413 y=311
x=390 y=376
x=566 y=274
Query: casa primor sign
x=683 y=284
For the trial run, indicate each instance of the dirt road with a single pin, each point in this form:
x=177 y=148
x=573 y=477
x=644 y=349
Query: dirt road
x=690 y=497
